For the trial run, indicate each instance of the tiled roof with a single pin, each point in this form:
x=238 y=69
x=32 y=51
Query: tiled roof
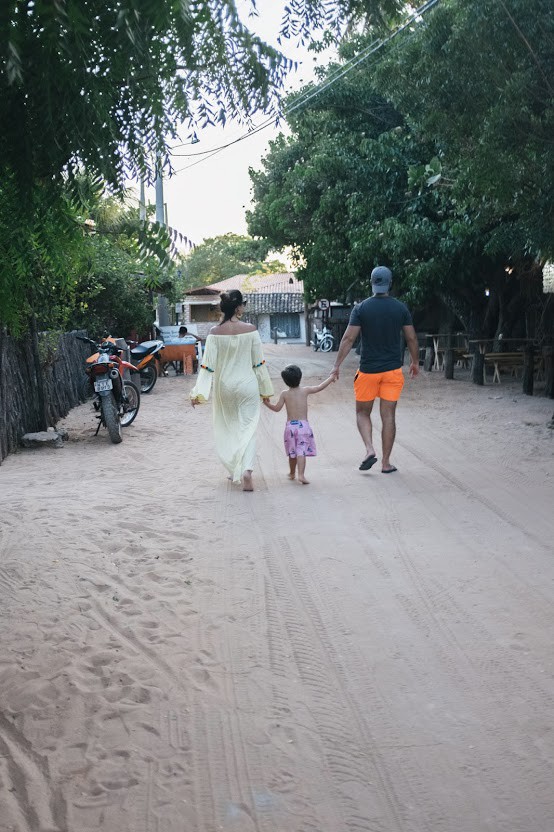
x=273 y=302
x=282 y=282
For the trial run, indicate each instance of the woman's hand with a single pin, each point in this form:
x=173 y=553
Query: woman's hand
x=194 y=402
x=265 y=399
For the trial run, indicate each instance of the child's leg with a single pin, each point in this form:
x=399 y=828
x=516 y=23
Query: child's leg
x=301 y=470
x=292 y=467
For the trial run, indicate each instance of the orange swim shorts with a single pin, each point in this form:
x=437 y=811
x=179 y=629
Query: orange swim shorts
x=369 y=386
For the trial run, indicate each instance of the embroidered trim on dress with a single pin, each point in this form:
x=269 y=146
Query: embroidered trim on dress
x=258 y=365
x=205 y=367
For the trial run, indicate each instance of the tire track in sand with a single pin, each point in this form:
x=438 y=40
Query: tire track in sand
x=36 y=803
x=344 y=736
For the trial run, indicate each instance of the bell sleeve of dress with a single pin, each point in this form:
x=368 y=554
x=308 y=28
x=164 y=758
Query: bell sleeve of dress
x=203 y=386
x=258 y=363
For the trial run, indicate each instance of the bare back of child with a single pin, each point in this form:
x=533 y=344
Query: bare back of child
x=299 y=438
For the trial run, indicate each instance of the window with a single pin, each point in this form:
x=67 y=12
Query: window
x=204 y=312
x=289 y=323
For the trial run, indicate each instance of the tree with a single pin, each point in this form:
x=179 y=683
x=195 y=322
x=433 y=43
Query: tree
x=220 y=257
x=102 y=86
x=111 y=295
x=485 y=97
x=124 y=268
x=371 y=173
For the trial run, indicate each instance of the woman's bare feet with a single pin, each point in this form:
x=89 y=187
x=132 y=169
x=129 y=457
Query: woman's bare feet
x=247 y=484
x=303 y=480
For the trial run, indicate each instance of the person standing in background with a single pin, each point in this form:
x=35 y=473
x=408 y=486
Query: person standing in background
x=380 y=319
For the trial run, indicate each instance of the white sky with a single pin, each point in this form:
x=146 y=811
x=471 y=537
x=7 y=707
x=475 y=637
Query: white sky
x=212 y=197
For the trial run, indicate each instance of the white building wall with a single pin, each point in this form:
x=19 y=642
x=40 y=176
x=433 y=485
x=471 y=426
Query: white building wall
x=264 y=328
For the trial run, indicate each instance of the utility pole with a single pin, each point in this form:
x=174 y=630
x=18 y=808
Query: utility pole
x=163 y=311
x=142 y=201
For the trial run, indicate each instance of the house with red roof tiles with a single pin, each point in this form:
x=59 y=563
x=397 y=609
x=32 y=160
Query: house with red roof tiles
x=275 y=304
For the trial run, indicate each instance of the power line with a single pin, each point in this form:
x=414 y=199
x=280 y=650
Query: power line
x=270 y=119
x=304 y=98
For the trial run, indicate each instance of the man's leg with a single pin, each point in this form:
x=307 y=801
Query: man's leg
x=388 y=418
x=363 y=420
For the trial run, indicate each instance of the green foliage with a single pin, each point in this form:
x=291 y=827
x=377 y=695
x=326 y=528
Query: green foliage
x=485 y=96
x=111 y=296
x=221 y=257
x=41 y=253
x=127 y=261
x=433 y=158
x=103 y=86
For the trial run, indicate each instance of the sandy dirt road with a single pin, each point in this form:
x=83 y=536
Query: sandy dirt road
x=367 y=653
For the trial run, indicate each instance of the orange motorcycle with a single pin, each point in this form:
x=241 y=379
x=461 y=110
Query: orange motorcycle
x=116 y=400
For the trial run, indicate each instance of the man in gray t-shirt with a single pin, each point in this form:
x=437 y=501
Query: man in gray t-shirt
x=379 y=320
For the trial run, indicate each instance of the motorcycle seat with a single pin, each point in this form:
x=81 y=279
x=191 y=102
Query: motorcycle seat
x=146 y=348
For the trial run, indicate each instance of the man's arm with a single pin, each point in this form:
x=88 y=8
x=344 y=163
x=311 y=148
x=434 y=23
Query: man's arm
x=275 y=407
x=413 y=346
x=322 y=386
x=346 y=345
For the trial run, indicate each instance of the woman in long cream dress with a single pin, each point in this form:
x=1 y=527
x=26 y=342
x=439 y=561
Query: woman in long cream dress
x=234 y=365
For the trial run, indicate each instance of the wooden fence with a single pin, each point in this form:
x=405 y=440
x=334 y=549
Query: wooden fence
x=41 y=379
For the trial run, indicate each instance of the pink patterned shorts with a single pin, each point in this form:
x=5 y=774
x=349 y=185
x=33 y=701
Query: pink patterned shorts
x=299 y=439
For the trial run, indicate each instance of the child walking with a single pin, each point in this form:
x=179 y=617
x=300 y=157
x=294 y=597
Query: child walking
x=299 y=437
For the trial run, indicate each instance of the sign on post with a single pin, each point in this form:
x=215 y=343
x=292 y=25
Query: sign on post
x=323 y=304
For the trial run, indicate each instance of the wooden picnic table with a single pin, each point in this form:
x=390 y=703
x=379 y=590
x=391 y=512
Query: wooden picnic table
x=439 y=351
x=510 y=360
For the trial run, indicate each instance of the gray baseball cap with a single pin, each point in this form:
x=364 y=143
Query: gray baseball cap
x=381 y=279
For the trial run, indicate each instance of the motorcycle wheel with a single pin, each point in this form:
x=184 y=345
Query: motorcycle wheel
x=148 y=378
x=327 y=345
x=110 y=417
x=131 y=403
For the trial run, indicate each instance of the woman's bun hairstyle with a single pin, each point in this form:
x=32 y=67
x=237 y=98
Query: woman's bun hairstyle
x=229 y=303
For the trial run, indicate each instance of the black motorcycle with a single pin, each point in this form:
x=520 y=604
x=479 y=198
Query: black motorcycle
x=145 y=360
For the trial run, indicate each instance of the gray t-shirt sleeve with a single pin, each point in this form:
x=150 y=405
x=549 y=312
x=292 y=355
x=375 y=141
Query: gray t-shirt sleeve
x=355 y=319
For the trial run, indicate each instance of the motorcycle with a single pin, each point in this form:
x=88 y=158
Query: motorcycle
x=323 y=340
x=116 y=400
x=145 y=357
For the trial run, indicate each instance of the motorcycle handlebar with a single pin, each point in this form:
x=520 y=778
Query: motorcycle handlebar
x=103 y=346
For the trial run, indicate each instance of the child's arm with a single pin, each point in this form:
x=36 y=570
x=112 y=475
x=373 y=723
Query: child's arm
x=276 y=407
x=322 y=386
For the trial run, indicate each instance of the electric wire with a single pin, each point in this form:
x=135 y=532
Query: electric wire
x=304 y=98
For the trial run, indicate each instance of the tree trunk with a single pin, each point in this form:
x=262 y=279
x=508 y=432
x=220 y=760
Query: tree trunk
x=449 y=352
x=528 y=369
x=477 y=375
x=429 y=355
x=548 y=356
x=307 y=322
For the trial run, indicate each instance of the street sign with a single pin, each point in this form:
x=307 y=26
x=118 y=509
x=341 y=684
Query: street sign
x=324 y=304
